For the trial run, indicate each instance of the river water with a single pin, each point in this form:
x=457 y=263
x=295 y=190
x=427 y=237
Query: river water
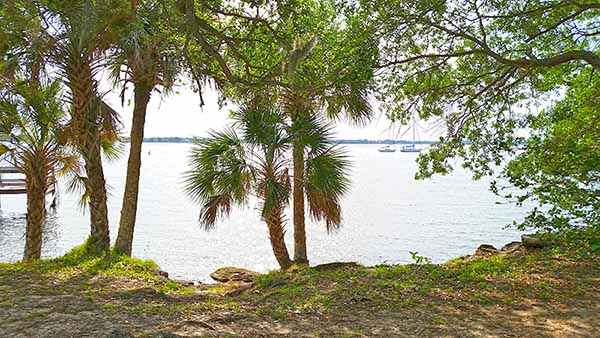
x=387 y=214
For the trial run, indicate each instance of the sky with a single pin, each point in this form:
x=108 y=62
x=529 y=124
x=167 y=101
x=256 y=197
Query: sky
x=180 y=114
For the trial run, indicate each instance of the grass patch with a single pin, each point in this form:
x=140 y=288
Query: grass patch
x=481 y=269
x=556 y=278
x=498 y=279
x=79 y=261
x=271 y=280
x=170 y=286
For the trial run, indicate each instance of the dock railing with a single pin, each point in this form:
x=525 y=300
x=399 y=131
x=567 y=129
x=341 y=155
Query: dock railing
x=11 y=186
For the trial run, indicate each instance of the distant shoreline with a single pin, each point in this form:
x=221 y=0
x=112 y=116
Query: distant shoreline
x=341 y=141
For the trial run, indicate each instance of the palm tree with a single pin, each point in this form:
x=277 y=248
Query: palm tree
x=309 y=95
x=146 y=59
x=227 y=169
x=32 y=123
x=247 y=159
x=309 y=92
x=324 y=169
x=71 y=38
x=84 y=31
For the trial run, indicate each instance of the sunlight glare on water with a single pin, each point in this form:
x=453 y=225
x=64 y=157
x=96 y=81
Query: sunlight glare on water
x=387 y=214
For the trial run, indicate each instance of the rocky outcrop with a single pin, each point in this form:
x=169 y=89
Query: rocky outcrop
x=232 y=274
x=160 y=273
x=485 y=250
x=528 y=242
x=512 y=247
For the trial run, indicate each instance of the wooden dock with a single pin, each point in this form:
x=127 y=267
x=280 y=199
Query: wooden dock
x=11 y=186
x=9 y=170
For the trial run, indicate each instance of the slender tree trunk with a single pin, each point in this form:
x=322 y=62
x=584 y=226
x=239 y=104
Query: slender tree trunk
x=130 y=197
x=277 y=236
x=300 y=255
x=36 y=213
x=85 y=120
x=99 y=240
x=36 y=181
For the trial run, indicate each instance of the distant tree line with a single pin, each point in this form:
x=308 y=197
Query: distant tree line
x=337 y=141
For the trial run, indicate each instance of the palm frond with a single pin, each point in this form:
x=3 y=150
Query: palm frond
x=111 y=121
x=273 y=184
x=77 y=184
x=4 y=149
x=349 y=103
x=219 y=175
x=35 y=118
x=326 y=183
x=215 y=207
x=312 y=131
x=261 y=125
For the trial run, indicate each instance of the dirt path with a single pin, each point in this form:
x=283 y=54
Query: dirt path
x=561 y=300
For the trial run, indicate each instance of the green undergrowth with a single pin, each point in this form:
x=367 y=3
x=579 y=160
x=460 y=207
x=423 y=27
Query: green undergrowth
x=555 y=275
x=575 y=242
x=79 y=261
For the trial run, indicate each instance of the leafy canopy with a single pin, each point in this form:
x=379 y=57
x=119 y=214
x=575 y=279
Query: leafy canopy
x=477 y=66
x=559 y=168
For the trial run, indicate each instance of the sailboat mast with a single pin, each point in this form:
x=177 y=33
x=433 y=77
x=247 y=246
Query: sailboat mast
x=414 y=130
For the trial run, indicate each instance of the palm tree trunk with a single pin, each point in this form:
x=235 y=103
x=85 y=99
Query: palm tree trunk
x=130 y=197
x=36 y=213
x=300 y=255
x=277 y=236
x=85 y=122
x=99 y=240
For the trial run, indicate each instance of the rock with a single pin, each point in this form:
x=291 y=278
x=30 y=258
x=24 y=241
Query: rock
x=486 y=250
x=232 y=274
x=533 y=241
x=161 y=273
x=512 y=247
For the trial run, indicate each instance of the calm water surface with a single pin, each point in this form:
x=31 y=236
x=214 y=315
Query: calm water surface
x=387 y=214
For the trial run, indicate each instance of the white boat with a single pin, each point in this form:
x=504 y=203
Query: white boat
x=411 y=148
x=387 y=149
